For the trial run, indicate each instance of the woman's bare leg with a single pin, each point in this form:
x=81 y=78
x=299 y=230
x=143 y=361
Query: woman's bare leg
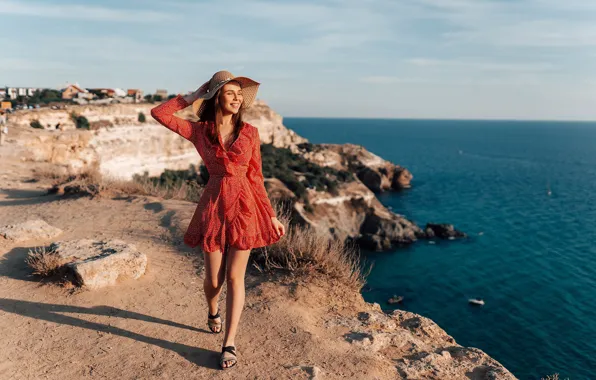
x=236 y=262
x=214 y=278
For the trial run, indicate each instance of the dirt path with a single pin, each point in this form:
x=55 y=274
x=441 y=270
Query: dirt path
x=154 y=327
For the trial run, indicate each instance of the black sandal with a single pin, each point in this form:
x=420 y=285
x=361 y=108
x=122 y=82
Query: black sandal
x=228 y=353
x=213 y=323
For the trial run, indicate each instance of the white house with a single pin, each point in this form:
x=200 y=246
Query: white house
x=15 y=92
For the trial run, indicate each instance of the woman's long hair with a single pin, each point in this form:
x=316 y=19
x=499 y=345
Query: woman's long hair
x=212 y=112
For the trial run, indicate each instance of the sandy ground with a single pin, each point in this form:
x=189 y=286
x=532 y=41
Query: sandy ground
x=155 y=327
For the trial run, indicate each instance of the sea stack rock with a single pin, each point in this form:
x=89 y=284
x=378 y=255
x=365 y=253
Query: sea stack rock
x=442 y=231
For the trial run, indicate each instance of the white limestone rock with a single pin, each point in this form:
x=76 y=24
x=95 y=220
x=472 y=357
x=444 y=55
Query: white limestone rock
x=100 y=263
x=29 y=230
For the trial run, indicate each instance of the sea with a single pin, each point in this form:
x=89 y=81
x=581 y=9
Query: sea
x=525 y=193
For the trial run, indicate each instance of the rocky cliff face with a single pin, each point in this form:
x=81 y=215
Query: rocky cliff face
x=376 y=173
x=121 y=147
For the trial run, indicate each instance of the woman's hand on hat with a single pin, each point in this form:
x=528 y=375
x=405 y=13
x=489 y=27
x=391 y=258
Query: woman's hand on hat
x=191 y=97
x=203 y=89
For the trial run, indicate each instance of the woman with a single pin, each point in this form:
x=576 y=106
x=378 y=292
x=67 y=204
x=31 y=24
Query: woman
x=234 y=210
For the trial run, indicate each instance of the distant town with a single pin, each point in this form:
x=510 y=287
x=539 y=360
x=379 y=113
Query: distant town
x=16 y=98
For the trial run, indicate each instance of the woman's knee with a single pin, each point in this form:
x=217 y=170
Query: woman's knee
x=233 y=278
x=214 y=282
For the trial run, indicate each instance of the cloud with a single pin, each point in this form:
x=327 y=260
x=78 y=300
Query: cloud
x=312 y=47
x=481 y=65
x=380 y=79
x=525 y=23
x=78 y=11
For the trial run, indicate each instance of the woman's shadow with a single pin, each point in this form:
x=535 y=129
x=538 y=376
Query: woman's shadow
x=49 y=312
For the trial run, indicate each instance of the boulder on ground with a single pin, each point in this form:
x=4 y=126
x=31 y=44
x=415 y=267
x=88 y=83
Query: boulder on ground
x=100 y=263
x=29 y=230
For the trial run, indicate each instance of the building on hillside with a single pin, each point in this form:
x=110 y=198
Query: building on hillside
x=72 y=90
x=15 y=92
x=102 y=93
x=136 y=94
x=3 y=93
x=120 y=93
x=162 y=93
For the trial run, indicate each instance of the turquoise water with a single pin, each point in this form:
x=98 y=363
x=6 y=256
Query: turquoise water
x=531 y=255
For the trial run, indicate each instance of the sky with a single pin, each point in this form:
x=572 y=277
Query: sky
x=472 y=59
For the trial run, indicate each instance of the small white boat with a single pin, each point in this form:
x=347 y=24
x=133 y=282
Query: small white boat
x=476 y=301
x=395 y=299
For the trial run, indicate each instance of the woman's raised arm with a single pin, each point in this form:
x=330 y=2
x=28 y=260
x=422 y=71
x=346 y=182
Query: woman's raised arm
x=164 y=114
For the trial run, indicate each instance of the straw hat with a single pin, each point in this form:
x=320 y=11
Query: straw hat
x=217 y=81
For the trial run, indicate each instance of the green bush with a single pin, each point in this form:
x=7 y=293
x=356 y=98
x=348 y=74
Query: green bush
x=141 y=118
x=80 y=121
x=173 y=178
x=36 y=124
x=45 y=96
x=286 y=166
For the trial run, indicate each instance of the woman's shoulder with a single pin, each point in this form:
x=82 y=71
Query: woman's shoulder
x=250 y=128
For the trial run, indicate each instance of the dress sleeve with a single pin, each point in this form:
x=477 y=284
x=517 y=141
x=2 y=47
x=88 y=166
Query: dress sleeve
x=164 y=114
x=255 y=174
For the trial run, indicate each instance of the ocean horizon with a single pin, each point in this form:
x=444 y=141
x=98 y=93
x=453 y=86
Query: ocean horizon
x=579 y=121
x=523 y=191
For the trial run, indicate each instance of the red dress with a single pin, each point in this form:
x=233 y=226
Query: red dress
x=234 y=209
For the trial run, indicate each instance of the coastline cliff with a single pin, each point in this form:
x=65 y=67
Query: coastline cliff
x=294 y=326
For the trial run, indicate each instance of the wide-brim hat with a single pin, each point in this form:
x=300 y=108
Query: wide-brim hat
x=217 y=81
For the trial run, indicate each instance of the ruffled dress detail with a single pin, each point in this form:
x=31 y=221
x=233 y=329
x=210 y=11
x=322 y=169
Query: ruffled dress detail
x=234 y=209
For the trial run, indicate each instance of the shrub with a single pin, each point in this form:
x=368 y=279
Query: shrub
x=80 y=121
x=178 y=184
x=288 y=167
x=141 y=117
x=44 y=262
x=36 y=124
x=305 y=250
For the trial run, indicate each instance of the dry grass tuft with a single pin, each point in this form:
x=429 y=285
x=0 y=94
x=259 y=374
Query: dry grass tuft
x=52 y=173
x=44 y=262
x=188 y=191
x=92 y=183
x=304 y=250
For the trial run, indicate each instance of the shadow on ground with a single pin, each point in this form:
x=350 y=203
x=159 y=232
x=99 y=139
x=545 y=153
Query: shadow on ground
x=50 y=312
x=20 y=197
x=12 y=265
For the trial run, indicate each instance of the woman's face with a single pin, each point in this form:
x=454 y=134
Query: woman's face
x=230 y=98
